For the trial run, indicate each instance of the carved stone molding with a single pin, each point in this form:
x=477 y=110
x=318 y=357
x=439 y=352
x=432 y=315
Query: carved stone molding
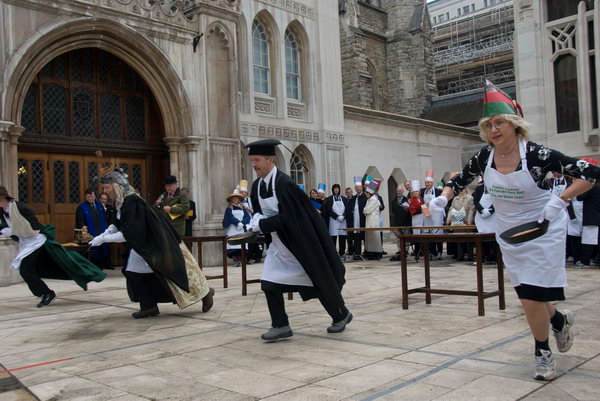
x=296 y=110
x=291 y=134
x=292 y=6
x=332 y=137
x=264 y=105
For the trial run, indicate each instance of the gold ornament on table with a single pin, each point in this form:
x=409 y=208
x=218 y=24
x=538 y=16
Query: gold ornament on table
x=82 y=236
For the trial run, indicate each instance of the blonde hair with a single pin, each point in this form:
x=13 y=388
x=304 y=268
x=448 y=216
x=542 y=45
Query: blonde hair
x=521 y=126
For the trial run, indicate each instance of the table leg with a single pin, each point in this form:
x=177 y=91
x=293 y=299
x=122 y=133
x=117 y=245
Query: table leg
x=244 y=278
x=500 y=266
x=200 y=262
x=404 y=273
x=479 y=250
x=225 y=281
x=425 y=248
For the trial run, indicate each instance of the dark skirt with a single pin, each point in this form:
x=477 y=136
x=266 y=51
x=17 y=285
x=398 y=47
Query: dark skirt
x=305 y=292
x=540 y=294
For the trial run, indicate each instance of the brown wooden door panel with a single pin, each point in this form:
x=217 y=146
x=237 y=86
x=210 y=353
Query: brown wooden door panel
x=66 y=192
x=33 y=183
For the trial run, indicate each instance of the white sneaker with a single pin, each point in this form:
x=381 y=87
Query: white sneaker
x=564 y=337
x=544 y=366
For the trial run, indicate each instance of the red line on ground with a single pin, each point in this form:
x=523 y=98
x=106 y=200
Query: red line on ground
x=36 y=365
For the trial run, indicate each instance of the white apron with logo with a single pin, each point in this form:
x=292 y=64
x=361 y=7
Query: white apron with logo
x=485 y=224
x=281 y=266
x=233 y=229
x=437 y=218
x=335 y=227
x=517 y=199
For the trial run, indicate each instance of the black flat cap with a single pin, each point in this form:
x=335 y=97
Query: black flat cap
x=265 y=147
x=171 y=180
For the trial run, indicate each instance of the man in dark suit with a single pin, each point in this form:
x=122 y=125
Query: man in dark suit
x=400 y=216
x=355 y=218
x=174 y=204
x=90 y=216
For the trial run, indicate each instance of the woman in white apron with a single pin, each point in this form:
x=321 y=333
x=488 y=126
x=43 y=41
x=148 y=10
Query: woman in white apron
x=333 y=211
x=485 y=218
x=235 y=219
x=514 y=170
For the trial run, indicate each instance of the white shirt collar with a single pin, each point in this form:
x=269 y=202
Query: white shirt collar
x=269 y=176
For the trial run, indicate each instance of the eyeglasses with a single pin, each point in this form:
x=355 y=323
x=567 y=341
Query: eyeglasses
x=498 y=124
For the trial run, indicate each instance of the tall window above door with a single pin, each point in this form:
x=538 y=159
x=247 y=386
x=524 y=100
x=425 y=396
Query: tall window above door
x=260 y=44
x=292 y=66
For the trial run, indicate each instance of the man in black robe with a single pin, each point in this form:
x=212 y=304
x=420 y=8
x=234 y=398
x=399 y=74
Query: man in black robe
x=355 y=208
x=156 y=268
x=301 y=257
x=400 y=215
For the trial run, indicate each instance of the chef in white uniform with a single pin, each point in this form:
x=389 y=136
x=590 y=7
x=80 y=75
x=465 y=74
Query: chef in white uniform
x=514 y=169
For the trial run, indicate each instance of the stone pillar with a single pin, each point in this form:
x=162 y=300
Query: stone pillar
x=192 y=146
x=173 y=142
x=13 y=140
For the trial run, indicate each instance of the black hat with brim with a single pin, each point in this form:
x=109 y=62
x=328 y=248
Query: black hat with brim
x=171 y=180
x=265 y=147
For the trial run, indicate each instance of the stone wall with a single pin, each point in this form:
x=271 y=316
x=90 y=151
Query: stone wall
x=8 y=251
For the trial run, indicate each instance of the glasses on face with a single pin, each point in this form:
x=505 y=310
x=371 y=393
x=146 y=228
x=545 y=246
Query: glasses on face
x=498 y=124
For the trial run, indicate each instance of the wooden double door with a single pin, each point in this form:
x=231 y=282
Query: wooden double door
x=53 y=184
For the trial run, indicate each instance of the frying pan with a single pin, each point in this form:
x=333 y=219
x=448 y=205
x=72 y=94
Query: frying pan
x=525 y=232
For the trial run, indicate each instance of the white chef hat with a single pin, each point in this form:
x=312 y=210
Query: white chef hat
x=415 y=185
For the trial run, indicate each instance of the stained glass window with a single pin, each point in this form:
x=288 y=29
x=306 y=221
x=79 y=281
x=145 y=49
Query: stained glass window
x=54 y=100
x=110 y=110
x=83 y=112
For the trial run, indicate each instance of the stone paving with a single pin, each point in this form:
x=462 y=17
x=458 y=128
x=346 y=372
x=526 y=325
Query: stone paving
x=87 y=347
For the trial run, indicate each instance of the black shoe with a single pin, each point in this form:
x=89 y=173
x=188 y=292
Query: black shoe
x=47 y=300
x=257 y=260
x=207 y=301
x=384 y=252
x=146 y=313
x=395 y=258
x=277 y=333
x=341 y=325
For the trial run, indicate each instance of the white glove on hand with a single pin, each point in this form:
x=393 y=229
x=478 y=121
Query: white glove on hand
x=553 y=209
x=97 y=241
x=115 y=237
x=240 y=226
x=111 y=229
x=438 y=204
x=6 y=231
x=253 y=226
x=486 y=213
x=340 y=218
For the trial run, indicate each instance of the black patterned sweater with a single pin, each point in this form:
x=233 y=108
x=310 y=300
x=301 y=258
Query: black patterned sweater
x=541 y=161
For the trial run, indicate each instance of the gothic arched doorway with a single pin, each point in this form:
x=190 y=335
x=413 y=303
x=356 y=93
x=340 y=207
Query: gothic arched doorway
x=82 y=101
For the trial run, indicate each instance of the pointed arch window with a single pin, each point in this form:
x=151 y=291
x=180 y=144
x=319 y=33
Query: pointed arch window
x=292 y=66
x=260 y=44
x=297 y=164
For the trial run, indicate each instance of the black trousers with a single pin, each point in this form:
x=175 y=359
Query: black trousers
x=575 y=247
x=40 y=265
x=355 y=243
x=342 y=241
x=274 y=294
x=146 y=289
x=254 y=251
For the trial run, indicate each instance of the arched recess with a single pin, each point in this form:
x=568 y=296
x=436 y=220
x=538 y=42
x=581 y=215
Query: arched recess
x=373 y=172
x=141 y=54
x=374 y=86
x=280 y=161
x=301 y=38
x=301 y=166
x=395 y=180
x=220 y=55
x=274 y=48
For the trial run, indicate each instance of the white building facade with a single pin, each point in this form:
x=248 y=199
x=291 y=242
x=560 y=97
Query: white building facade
x=443 y=11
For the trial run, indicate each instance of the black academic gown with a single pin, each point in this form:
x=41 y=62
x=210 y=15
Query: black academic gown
x=362 y=201
x=327 y=209
x=152 y=236
x=303 y=232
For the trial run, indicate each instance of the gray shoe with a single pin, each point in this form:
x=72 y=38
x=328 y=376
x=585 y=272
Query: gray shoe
x=341 y=325
x=564 y=337
x=277 y=333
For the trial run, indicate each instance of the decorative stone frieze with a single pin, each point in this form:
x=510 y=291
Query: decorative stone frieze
x=296 y=110
x=291 y=134
x=264 y=105
x=291 y=5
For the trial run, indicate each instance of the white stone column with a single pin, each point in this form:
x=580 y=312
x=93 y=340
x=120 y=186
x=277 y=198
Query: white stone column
x=192 y=146
x=13 y=140
x=173 y=142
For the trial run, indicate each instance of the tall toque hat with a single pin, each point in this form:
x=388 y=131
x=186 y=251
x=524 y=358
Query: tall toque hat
x=496 y=101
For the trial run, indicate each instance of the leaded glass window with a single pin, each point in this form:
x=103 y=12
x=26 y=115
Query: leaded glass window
x=261 y=63
x=136 y=179
x=292 y=66
x=29 y=112
x=297 y=168
x=54 y=100
x=74 y=178
x=59 y=182
x=83 y=112
x=38 y=168
x=92 y=176
x=110 y=110
x=22 y=180
x=136 y=117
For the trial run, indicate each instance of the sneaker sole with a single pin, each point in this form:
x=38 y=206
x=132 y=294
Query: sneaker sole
x=542 y=378
x=570 y=320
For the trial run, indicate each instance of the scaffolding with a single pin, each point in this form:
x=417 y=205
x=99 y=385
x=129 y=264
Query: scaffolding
x=484 y=48
x=471 y=83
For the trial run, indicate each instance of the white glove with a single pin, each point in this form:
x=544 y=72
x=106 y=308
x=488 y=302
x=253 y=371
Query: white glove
x=97 y=241
x=438 y=204
x=240 y=226
x=553 y=209
x=115 y=237
x=340 y=218
x=253 y=226
x=6 y=231
x=486 y=213
x=111 y=229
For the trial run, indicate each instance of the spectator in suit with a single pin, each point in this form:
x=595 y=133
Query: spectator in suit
x=90 y=216
x=400 y=215
x=174 y=204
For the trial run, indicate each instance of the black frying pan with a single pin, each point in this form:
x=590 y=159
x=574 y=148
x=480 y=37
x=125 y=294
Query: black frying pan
x=525 y=232
x=242 y=238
